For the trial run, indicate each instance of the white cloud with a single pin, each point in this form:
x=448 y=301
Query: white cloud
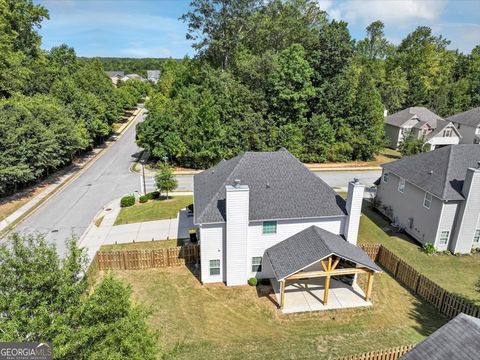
x=393 y=12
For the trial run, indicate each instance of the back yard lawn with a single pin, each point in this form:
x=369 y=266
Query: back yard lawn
x=216 y=322
x=153 y=210
x=458 y=274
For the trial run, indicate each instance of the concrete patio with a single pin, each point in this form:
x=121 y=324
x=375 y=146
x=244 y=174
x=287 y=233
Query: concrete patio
x=307 y=295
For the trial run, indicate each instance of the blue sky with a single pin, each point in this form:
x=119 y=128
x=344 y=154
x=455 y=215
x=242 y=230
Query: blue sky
x=135 y=28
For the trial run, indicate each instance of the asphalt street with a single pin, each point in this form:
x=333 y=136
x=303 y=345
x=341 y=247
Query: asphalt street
x=72 y=209
x=335 y=178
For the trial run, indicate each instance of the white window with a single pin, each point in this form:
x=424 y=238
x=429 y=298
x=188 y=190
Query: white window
x=401 y=185
x=256 y=264
x=214 y=267
x=447 y=132
x=476 y=237
x=269 y=227
x=478 y=130
x=444 y=235
x=427 y=201
x=385 y=177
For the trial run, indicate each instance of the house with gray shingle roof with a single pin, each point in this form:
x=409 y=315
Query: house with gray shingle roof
x=435 y=196
x=422 y=124
x=456 y=340
x=250 y=210
x=468 y=125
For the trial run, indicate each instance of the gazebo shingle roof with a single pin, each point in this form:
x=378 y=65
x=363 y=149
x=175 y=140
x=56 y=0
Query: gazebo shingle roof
x=311 y=245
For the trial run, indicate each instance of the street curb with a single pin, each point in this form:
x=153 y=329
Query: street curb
x=68 y=181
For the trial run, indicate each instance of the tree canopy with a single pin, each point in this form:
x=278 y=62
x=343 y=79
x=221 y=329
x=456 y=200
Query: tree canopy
x=280 y=73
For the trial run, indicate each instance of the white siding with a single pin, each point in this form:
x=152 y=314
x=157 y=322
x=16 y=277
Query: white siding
x=447 y=219
x=258 y=242
x=211 y=248
x=354 y=209
x=468 y=213
x=237 y=211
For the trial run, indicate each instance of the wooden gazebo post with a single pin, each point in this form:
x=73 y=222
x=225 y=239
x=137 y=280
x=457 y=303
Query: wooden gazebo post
x=282 y=294
x=327 y=281
x=368 y=292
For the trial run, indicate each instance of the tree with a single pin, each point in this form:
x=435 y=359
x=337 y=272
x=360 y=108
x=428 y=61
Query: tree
x=375 y=45
x=411 y=146
x=394 y=89
x=165 y=178
x=216 y=26
x=44 y=298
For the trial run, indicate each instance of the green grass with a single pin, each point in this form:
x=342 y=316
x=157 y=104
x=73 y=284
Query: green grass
x=153 y=210
x=144 y=245
x=457 y=274
x=196 y=321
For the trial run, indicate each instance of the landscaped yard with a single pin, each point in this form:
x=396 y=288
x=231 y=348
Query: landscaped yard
x=385 y=156
x=197 y=321
x=458 y=274
x=153 y=210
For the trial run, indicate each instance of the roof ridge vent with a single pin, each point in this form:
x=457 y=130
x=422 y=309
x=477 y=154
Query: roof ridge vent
x=431 y=172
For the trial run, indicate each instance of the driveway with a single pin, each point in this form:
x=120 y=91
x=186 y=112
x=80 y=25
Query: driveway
x=70 y=211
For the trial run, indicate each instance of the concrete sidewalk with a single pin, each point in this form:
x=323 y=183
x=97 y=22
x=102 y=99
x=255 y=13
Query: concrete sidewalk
x=106 y=233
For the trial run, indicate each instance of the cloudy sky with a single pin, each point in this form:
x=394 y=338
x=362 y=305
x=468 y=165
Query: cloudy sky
x=135 y=28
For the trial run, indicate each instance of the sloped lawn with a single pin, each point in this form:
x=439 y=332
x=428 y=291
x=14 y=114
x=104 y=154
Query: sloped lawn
x=458 y=274
x=216 y=322
x=153 y=210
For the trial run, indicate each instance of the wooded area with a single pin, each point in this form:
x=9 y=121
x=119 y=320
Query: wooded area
x=277 y=73
x=52 y=106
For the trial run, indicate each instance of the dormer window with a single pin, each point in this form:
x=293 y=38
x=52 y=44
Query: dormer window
x=269 y=227
x=447 y=132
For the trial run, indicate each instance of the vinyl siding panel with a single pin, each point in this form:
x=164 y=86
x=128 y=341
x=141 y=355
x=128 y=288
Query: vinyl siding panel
x=467 y=132
x=446 y=223
x=393 y=134
x=212 y=239
x=258 y=242
x=409 y=204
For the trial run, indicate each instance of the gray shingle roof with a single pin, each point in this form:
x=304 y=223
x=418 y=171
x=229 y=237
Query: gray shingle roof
x=311 y=245
x=422 y=114
x=115 y=73
x=456 y=340
x=441 y=124
x=470 y=117
x=281 y=187
x=440 y=172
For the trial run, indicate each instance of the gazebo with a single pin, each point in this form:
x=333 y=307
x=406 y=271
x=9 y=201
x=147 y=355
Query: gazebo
x=313 y=263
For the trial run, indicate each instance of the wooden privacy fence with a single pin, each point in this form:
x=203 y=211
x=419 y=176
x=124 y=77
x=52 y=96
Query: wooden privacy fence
x=147 y=259
x=444 y=301
x=390 y=354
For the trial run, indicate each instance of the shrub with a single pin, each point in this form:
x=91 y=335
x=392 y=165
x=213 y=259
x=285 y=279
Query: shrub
x=143 y=199
x=128 y=200
x=252 y=281
x=153 y=195
x=429 y=248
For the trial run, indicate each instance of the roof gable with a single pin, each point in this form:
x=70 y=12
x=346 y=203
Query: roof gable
x=310 y=246
x=470 y=117
x=440 y=172
x=280 y=186
x=420 y=114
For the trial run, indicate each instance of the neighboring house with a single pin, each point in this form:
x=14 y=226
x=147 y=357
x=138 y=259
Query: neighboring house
x=435 y=196
x=456 y=340
x=423 y=124
x=132 y=77
x=265 y=215
x=468 y=125
x=115 y=76
x=153 y=75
